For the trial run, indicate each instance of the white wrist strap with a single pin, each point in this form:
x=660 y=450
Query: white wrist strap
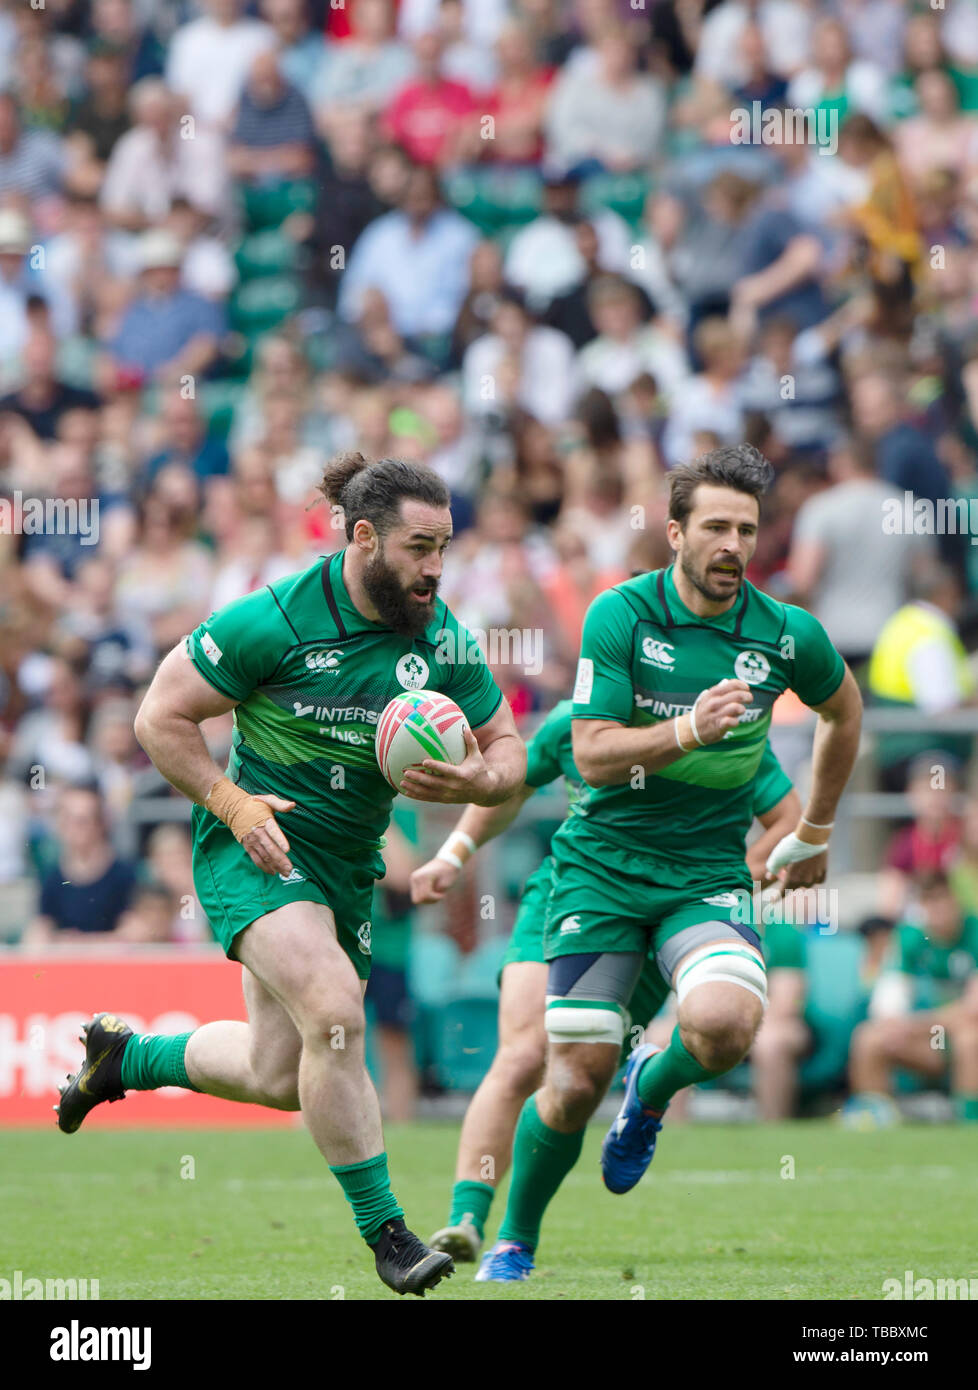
x=814 y=826
x=448 y=854
x=692 y=722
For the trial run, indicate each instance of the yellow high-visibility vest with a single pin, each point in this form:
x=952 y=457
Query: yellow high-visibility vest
x=889 y=666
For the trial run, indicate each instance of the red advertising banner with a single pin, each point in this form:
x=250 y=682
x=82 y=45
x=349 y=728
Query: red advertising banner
x=46 y=997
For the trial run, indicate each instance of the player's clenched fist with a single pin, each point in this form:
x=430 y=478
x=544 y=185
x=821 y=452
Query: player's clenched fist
x=431 y=882
x=716 y=711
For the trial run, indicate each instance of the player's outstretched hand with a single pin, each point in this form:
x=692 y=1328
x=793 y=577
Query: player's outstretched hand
x=469 y=781
x=718 y=709
x=266 y=845
x=431 y=882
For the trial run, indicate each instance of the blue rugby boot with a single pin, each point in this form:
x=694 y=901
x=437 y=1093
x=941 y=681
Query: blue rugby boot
x=630 y=1142
x=507 y=1262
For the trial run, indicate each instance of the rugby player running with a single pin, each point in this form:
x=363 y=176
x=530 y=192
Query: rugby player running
x=678 y=674
x=308 y=665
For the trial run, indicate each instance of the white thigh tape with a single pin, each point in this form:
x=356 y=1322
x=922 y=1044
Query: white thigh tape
x=723 y=962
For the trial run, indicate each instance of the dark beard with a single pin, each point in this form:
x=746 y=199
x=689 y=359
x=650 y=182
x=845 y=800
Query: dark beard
x=701 y=584
x=394 y=604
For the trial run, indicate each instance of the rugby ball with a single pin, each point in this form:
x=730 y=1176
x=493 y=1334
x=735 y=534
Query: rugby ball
x=418 y=724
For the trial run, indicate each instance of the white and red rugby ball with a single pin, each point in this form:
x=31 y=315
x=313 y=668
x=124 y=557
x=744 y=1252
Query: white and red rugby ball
x=419 y=724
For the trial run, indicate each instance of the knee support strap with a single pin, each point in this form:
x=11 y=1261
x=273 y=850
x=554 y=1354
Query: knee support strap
x=723 y=962
x=584 y=1021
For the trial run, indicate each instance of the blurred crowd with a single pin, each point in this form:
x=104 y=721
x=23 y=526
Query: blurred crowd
x=548 y=247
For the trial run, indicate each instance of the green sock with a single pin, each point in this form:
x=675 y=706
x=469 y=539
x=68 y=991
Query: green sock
x=542 y=1158
x=668 y=1072
x=367 y=1186
x=471 y=1202
x=153 y=1059
x=966 y=1109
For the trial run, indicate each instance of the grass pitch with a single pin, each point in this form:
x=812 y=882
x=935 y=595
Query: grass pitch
x=719 y=1215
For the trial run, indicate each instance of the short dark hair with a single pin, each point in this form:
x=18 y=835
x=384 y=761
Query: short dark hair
x=374 y=491
x=738 y=466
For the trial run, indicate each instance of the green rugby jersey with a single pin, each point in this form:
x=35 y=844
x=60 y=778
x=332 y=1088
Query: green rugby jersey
x=645 y=658
x=550 y=754
x=939 y=972
x=313 y=676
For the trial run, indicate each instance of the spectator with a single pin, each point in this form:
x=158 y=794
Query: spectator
x=257 y=557
x=570 y=312
x=52 y=738
x=301 y=51
x=418 y=257
x=482 y=20
x=919 y=663
x=941 y=136
x=154 y=163
x=373 y=350
x=16 y=284
x=874 y=28
x=649 y=258
x=453 y=453
x=41 y=399
x=519 y=363
x=709 y=400
x=53 y=556
x=183 y=442
x=366 y=70
x=167 y=332
x=706 y=234
x=760 y=82
x=164 y=583
x=923 y=51
x=118 y=650
x=210 y=58
x=903 y=454
x=427 y=114
x=884 y=222
x=543 y=258
x=272 y=139
x=119 y=759
x=31 y=161
x=464 y=59
x=625 y=348
x=930 y=981
x=485 y=285
x=785 y=24
x=99 y=119
x=518 y=100
x=120 y=26
x=835 y=82
x=346 y=202
x=930 y=843
x=843 y=566
x=611 y=119
x=90 y=887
